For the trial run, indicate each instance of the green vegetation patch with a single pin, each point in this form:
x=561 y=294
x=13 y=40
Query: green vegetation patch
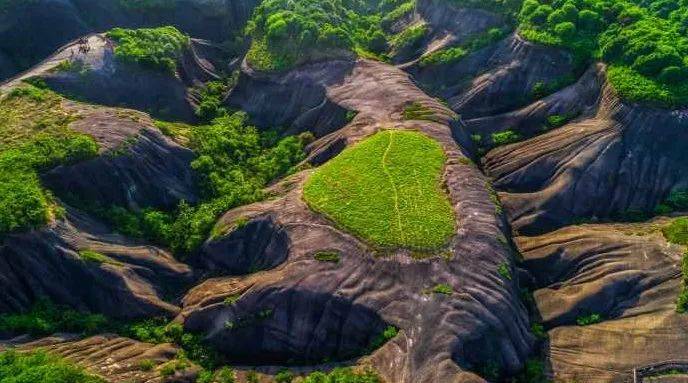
x=46 y=318
x=234 y=162
x=387 y=190
x=157 y=48
x=286 y=33
x=348 y=375
x=327 y=256
x=34 y=138
x=418 y=111
x=443 y=288
x=506 y=137
x=644 y=41
x=96 y=257
x=586 y=320
x=677 y=231
x=39 y=366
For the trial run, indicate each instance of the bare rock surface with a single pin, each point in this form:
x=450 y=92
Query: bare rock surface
x=138 y=167
x=114 y=358
x=296 y=101
x=131 y=281
x=497 y=78
x=623 y=158
x=306 y=310
x=629 y=275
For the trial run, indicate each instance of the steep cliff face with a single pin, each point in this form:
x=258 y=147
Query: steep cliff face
x=296 y=101
x=127 y=281
x=624 y=158
x=497 y=78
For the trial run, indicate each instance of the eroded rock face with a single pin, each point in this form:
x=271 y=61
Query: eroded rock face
x=629 y=275
x=623 y=158
x=129 y=284
x=496 y=79
x=114 y=358
x=137 y=167
x=296 y=101
x=257 y=245
x=33 y=30
x=305 y=309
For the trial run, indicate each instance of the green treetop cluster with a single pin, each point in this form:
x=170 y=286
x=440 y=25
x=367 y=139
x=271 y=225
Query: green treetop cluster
x=286 y=32
x=644 y=41
x=156 y=48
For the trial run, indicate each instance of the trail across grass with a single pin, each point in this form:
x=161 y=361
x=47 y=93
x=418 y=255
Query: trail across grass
x=387 y=190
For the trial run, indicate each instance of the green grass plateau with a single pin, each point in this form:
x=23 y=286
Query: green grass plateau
x=387 y=190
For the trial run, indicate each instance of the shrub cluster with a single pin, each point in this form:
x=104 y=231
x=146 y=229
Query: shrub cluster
x=645 y=42
x=157 y=48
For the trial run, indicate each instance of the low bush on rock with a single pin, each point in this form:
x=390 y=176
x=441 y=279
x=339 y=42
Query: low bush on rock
x=156 y=48
x=39 y=366
x=586 y=320
x=387 y=190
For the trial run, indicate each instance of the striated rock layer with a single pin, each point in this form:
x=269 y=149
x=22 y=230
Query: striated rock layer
x=621 y=158
x=627 y=274
x=303 y=310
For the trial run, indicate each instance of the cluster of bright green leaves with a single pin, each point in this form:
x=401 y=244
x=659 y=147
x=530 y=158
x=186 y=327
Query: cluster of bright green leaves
x=34 y=137
x=39 y=366
x=286 y=32
x=645 y=42
x=157 y=48
x=235 y=161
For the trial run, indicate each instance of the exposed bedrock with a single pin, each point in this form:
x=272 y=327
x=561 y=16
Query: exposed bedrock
x=34 y=29
x=138 y=167
x=624 y=158
x=97 y=76
x=450 y=25
x=296 y=101
x=127 y=281
x=257 y=245
x=577 y=101
x=114 y=358
x=309 y=310
x=497 y=78
x=626 y=273
x=446 y=25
